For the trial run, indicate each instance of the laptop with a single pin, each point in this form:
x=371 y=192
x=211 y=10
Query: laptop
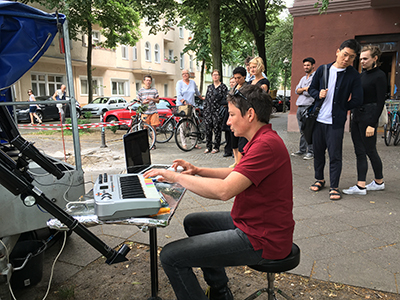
x=137 y=152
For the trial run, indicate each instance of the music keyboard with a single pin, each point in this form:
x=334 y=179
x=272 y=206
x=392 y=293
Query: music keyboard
x=125 y=196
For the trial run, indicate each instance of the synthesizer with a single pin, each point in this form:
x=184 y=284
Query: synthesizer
x=125 y=196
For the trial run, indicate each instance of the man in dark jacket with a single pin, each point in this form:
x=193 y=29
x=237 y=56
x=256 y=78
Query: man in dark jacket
x=337 y=87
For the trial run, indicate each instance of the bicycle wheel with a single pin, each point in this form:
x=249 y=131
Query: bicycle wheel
x=186 y=135
x=165 y=131
x=150 y=131
x=387 y=130
x=396 y=128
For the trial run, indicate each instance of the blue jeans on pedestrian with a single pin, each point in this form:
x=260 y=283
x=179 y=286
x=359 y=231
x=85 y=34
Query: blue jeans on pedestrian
x=213 y=243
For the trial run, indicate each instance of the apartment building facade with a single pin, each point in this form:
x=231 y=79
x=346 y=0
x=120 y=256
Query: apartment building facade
x=116 y=72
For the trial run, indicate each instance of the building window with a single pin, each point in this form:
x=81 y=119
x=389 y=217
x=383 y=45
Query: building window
x=191 y=63
x=46 y=84
x=120 y=87
x=97 y=88
x=138 y=85
x=124 y=51
x=166 y=90
x=95 y=37
x=171 y=54
x=134 y=55
x=182 y=63
x=147 y=51
x=181 y=32
x=157 y=53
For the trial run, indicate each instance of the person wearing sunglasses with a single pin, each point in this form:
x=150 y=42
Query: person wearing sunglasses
x=259 y=226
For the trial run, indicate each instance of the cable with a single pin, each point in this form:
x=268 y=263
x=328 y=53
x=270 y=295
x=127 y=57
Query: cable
x=52 y=267
x=8 y=261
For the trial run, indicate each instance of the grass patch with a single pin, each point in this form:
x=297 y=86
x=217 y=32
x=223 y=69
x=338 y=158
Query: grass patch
x=66 y=293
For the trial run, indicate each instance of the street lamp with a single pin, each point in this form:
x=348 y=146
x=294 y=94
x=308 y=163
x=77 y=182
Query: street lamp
x=286 y=63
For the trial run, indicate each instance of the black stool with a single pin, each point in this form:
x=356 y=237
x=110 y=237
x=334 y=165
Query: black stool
x=276 y=266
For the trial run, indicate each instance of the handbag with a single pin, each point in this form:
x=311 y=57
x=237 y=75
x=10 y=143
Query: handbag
x=308 y=120
x=383 y=119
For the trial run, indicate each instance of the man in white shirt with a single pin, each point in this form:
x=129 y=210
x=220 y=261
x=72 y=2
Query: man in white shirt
x=337 y=86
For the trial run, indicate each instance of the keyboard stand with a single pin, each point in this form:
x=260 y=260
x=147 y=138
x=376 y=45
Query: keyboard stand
x=84 y=214
x=153 y=264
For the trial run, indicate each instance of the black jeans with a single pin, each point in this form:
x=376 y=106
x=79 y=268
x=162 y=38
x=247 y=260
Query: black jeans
x=325 y=137
x=365 y=146
x=213 y=243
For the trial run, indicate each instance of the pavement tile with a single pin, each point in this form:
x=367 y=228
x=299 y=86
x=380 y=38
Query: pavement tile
x=355 y=240
x=319 y=247
x=120 y=231
x=326 y=225
x=75 y=244
x=387 y=257
x=388 y=232
x=303 y=230
x=353 y=269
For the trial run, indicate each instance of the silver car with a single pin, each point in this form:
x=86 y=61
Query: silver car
x=100 y=105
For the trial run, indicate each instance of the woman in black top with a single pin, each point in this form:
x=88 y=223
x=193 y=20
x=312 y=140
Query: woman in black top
x=256 y=69
x=215 y=99
x=365 y=122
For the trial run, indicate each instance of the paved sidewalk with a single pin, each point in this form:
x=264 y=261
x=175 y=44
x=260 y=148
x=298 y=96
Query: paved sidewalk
x=353 y=241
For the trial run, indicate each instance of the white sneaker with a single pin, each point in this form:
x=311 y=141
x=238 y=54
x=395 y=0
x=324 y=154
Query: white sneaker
x=373 y=186
x=298 y=153
x=308 y=156
x=355 y=190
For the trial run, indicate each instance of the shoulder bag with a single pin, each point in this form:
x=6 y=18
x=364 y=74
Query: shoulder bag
x=310 y=115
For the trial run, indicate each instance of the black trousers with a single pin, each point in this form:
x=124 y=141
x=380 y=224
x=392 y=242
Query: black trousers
x=364 y=146
x=326 y=138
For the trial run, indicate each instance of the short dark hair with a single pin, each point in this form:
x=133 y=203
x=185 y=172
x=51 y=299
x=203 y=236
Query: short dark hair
x=147 y=76
x=309 y=59
x=248 y=59
x=352 y=44
x=256 y=98
x=239 y=70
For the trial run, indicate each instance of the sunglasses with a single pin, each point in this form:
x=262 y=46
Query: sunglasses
x=239 y=93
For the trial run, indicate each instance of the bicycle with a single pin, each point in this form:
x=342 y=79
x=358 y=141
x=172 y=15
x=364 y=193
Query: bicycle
x=138 y=124
x=165 y=131
x=190 y=130
x=392 y=128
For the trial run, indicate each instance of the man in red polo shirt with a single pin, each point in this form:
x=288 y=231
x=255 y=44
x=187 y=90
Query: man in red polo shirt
x=260 y=225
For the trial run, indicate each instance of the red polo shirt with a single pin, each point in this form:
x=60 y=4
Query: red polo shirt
x=264 y=210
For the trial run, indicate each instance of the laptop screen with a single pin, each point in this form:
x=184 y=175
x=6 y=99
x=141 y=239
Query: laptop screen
x=137 y=152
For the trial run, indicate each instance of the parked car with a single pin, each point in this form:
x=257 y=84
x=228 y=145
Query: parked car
x=277 y=104
x=45 y=111
x=100 y=105
x=126 y=114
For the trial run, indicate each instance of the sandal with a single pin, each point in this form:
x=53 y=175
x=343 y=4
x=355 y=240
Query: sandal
x=319 y=184
x=207 y=151
x=214 y=151
x=334 y=194
x=197 y=147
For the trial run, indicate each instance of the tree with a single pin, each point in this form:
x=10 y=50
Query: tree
x=324 y=5
x=117 y=18
x=257 y=16
x=279 y=47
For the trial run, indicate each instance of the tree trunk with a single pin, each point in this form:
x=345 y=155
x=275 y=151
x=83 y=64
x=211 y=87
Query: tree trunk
x=214 y=7
x=260 y=33
x=203 y=65
x=89 y=62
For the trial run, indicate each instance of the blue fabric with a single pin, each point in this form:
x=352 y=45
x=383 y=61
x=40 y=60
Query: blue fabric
x=25 y=35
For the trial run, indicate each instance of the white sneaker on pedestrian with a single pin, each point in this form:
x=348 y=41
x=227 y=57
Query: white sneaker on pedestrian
x=355 y=190
x=373 y=186
x=308 y=156
x=298 y=153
